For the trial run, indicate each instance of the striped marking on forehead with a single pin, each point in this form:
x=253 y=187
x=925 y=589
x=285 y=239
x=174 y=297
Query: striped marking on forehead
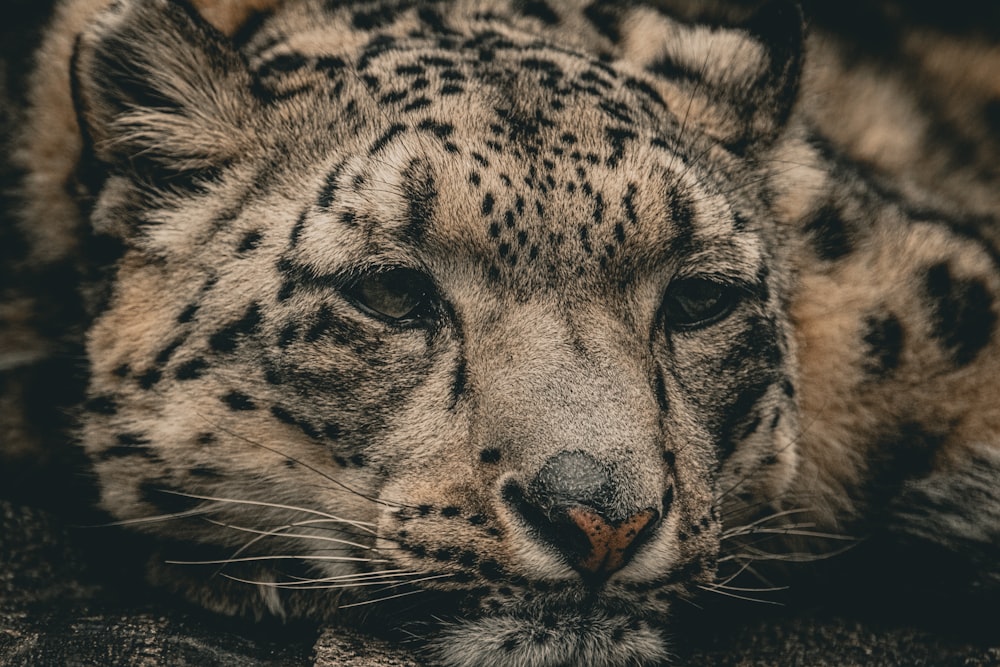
x=409 y=68
x=407 y=200
x=376 y=204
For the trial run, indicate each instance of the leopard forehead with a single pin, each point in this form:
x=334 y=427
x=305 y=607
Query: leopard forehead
x=526 y=226
x=496 y=147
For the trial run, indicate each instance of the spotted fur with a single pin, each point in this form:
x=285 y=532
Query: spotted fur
x=510 y=322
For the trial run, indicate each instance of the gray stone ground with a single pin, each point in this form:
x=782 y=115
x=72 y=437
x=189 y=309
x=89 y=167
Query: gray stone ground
x=61 y=606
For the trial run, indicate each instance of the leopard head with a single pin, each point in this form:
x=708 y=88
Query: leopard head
x=447 y=315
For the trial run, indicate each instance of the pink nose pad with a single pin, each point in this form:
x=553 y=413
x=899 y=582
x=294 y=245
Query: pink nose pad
x=575 y=505
x=610 y=542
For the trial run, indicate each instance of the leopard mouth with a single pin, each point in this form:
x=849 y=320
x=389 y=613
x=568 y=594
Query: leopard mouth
x=555 y=631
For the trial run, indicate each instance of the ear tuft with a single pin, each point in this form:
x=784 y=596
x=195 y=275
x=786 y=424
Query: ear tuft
x=780 y=27
x=742 y=77
x=230 y=16
x=153 y=80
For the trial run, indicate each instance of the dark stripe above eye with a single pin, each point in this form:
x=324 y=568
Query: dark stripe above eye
x=386 y=138
x=661 y=390
x=328 y=194
x=421 y=199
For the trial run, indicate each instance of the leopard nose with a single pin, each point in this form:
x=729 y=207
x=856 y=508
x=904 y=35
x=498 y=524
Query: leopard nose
x=571 y=504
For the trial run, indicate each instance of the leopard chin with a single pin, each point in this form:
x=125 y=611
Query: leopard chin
x=549 y=634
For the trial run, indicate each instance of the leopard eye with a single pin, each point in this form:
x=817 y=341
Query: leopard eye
x=691 y=303
x=399 y=295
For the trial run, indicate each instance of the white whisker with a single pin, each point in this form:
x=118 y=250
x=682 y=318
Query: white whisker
x=748 y=589
x=361 y=525
x=803 y=533
x=739 y=597
x=357 y=576
x=305 y=465
x=730 y=578
x=199 y=511
x=252 y=559
x=752 y=554
x=280 y=532
x=765 y=519
x=393 y=597
x=320 y=584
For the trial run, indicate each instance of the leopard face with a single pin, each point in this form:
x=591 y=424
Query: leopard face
x=445 y=315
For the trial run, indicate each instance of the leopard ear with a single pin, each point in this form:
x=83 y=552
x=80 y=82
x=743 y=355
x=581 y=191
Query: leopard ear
x=735 y=81
x=154 y=82
x=232 y=16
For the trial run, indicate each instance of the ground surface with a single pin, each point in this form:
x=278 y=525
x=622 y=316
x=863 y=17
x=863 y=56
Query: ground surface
x=65 y=601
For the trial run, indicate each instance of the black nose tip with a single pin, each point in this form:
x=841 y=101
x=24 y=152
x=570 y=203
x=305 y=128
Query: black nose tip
x=571 y=504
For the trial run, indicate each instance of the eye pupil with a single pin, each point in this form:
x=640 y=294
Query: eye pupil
x=696 y=302
x=396 y=294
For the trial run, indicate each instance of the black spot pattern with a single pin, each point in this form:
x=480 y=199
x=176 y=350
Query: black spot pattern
x=905 y=452
x=394 y=131
x=166 y=499
x=288 y=335
x=321 y=324
x=150 y=378
x=238 y=401
x=605 y=18
x=328 y=195
x=756 y=356
x=490 y=455
x=286 y=417
x=458 y=382
x=191 y=369
x=831 y=237
x=375 y=16
x=129 y=444
x=538 y=9
x=164 y=355
x=205 y=472
x=618 y=138
x=883 y=337
x=962 y=316
x=228 y=338
x=668 y=68
x=188 y=313
x=101 y=405
x=249 y=242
